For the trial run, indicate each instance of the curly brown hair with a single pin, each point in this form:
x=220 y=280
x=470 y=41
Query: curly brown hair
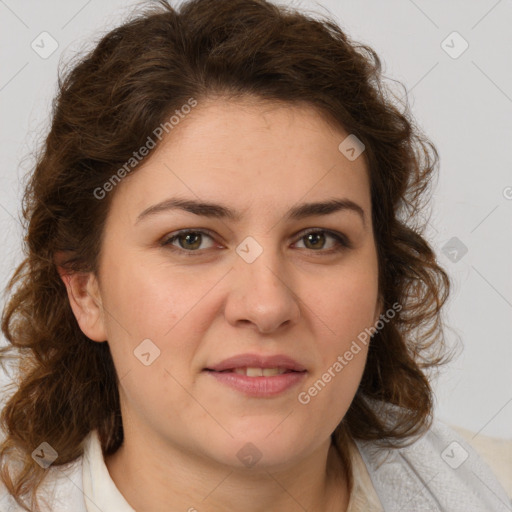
x=107 y=105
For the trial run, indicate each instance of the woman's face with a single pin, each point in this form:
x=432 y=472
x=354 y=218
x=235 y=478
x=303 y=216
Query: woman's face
x=247 y=281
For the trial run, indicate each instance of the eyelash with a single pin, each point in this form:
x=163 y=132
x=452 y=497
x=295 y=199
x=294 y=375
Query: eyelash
x=342 y=241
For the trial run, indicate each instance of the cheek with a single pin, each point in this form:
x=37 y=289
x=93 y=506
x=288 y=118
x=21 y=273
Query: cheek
x=147 y=301
x=141 y=305
x=340 y=317
x=143 y=317
x=344 y=307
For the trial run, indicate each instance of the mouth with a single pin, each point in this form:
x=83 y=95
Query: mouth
x=256 y=371
x=257 y=365
x=257 y=381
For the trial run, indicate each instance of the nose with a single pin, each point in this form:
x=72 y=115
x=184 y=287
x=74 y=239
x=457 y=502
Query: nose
x=262 y=295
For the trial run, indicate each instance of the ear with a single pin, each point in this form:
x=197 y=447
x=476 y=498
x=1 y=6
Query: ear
x=85 y=300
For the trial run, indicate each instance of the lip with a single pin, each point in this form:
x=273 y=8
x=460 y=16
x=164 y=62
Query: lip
x=259 y=387
x=262 y=387
x=257 y=361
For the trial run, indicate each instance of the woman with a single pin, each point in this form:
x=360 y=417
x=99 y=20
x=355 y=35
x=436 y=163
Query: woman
x=226 y=301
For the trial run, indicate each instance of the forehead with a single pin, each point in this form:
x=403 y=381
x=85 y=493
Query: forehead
x=248 y=151
x=248 y=124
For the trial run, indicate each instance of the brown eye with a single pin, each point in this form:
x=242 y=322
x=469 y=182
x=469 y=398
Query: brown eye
x=317 y=239
x=187 y=240
x=190 y=240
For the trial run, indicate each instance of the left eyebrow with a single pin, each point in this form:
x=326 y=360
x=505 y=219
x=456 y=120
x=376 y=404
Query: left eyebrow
x=325 y=208
x=214 y=210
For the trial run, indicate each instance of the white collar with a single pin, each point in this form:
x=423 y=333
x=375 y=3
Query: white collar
x=101 y=493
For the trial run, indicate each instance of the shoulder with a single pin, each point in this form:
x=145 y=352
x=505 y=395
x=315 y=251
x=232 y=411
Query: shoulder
x=60 y=491
x=496 y=452
x=437 y=471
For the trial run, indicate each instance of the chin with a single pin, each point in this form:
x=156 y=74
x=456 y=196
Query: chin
x=253 y=448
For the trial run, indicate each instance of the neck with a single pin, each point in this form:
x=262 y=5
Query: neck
x=171 y=477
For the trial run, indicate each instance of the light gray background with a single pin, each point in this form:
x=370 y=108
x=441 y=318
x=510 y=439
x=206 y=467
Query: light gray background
x=464 y=104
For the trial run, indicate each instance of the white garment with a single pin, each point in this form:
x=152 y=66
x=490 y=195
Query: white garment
x=421 y=478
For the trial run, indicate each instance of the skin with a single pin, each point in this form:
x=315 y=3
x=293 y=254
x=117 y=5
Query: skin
x=182 y=428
